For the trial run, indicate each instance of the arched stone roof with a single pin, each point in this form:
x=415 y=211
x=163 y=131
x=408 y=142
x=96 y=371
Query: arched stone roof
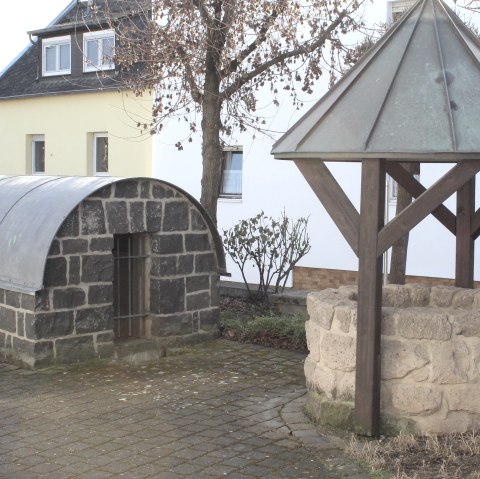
x=32 y=209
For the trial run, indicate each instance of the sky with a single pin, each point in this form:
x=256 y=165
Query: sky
x=18 y=17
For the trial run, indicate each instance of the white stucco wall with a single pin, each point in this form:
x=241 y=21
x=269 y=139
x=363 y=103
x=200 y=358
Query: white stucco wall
x=273 y=186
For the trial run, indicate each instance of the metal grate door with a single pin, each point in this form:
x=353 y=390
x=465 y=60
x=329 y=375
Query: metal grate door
x=129 y=285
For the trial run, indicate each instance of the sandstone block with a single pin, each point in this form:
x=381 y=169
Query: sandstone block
x=464 y=398
x=419 y=294
x=319 y=310
x=315 y=335
x=399 y=358
x=342 y=317
x=442 y=296
x=324 y=381
x=466 y=323
x=389 y=321
x=346 y=386
x=396 y=296
x=450 y=362
x=416 y=400
x=338 y=352
x=423 y=323
x=463 y=298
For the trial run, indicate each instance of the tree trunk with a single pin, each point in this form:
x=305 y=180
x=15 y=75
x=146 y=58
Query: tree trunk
x=398 y=263
x=211 y=147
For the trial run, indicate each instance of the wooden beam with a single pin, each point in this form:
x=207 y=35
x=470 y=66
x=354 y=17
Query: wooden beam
x=415 y=188
x=369 y=312
x=428 y=201
x=465 y=243
x=333 y=199
x=476 y=225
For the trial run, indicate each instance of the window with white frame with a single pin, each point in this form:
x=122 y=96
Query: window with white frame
x=231 y=186
x=38 y=154
x=98 y=50
x=100 y=154
x=396 y=8
x=56 y=56
x=393 y=188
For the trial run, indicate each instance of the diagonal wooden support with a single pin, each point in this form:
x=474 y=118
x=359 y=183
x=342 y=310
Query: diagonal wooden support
x=369 y=312
x=415 y=188
x=465 y=243
x=333 y=199
x=428 y=201
x=475 y=232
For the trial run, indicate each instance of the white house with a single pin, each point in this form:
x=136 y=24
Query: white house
x=273 y=186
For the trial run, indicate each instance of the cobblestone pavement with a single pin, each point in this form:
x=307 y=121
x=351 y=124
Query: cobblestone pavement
x=221 y=410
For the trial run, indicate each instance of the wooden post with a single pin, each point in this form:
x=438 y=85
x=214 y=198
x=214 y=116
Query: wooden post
x=465 y=241
x=369 y=313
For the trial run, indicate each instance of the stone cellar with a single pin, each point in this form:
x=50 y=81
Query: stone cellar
x=90 y=263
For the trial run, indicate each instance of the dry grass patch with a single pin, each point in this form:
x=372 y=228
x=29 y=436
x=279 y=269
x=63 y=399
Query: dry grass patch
x=454 y=456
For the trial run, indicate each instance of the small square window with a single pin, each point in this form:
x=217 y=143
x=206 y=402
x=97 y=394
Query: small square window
x=38 y=154
x=100 y=154
x=56 y=56
x=231 y=186
x=98 y=50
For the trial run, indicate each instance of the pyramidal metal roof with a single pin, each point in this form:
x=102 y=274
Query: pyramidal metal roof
x=414 y=95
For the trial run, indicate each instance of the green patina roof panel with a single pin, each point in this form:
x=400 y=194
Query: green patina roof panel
x=413 y=96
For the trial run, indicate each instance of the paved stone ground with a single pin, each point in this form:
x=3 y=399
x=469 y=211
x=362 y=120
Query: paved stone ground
x=221 y=410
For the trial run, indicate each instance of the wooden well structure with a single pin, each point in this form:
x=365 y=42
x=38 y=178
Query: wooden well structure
x=414 y=97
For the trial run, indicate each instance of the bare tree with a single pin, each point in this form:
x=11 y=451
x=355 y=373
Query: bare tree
x=211 y=58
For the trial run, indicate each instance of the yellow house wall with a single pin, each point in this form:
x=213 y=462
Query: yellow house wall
x=68 y=122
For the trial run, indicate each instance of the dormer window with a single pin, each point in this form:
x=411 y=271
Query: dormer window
x=56 y=54
x=98 y=50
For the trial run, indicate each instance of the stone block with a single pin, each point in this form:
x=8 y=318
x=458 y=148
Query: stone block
x=145 y=189
x=208 y=319
x=74 y=270
x=12 y=298
x=160 y=191
x=463 y=298
x=185 y=264
x=342 y=317
x=55 y=272
x=450 y=362
x=400 y=358
x=27 y=301
x=93 y=218
x=164 y=266
x=97 y=268
x=167 y=244
x=101 y=244
x=106 y=337
x=324 y=380
x=338 y=352
x=8 y=321
x=137 y=217
x=419 y=294
x=42 y=300
x=315 y=335
x=126 y=189
x=75 y=349
x=389 y=321
x=117 y=217
x=54 y=248
x=154 y=216
x=197 y=242
x=89 y=320
x=464 y=398
x=32 y=353
x=198 y=283
x=338 y=414
x=320 y=311
x=177 y=216
x=466 y=323
x=74 y=246
x=196 y=301
x=205 y=263
x=105 y=192
x=172 y=325
x=20 y=324
x=71 y=226
x=423 y=323
x=346 y=386
x=412 y=399
x=100 y=294
x=167 y=296
x=49 y=325
x=442 y=296
x=396 y=296
x=198 y=223
x=68 y=298
x=214 y=290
